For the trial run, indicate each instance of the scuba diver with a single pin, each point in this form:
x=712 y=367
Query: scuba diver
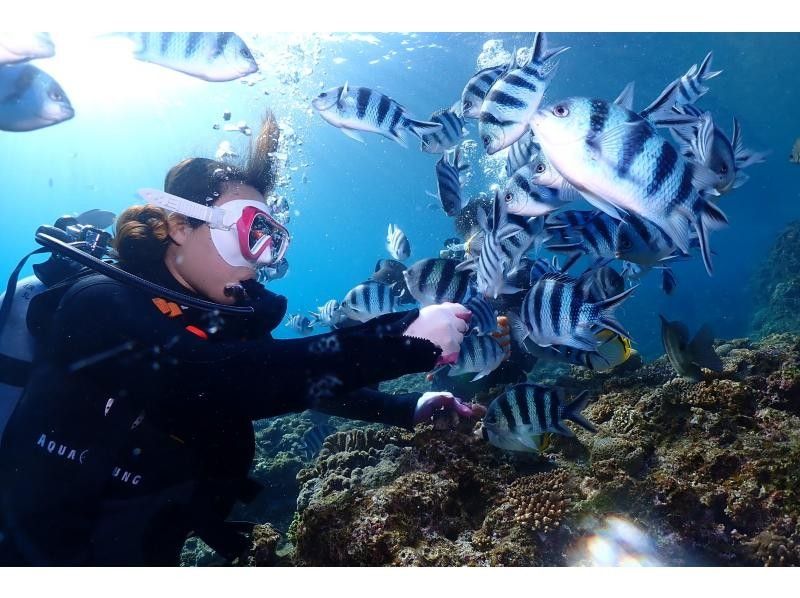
x=134 y=429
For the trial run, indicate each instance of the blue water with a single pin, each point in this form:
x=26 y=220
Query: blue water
x=134 y=121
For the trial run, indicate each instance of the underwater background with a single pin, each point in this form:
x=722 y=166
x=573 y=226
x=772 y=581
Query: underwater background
x=134 y=120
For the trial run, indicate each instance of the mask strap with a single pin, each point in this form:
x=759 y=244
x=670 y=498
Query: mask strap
x=214 y=216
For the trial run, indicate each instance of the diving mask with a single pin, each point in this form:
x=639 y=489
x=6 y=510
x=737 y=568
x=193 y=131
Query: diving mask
x=241 y=230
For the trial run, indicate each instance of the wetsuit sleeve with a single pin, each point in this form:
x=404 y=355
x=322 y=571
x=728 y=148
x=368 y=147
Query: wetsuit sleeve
x=375 y=406
x=116 y=336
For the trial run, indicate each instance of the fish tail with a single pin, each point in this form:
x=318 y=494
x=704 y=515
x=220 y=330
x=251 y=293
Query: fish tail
x=421 y=127
x=573 y=411
x=707 y=217
x=607 y=306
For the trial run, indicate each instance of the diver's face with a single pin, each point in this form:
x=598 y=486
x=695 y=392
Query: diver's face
x=194 y=258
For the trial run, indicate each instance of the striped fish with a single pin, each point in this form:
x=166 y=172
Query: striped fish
x=540 y=267
x=300 y=324
x=314 y=437
x=451 y=133
x=524 y=198
x=619 y=162
x=448 y=180
x=435 y=280
x=364 y=109
x=709 y=146
x=515 y=96
x=368 y=300
x=31 y=99
x=516 y=419
x=543 y=174
x=682 y=91
x=329 y=314
x=211 y=56
x=479 y=355
x=397 y=243
x=521 y=152
x=612 y=351
x=529 y=239
x=596 y=238
x=556 y=311
x=484 y=317
x=492 y=262
x=476 y=89
x=21 y=47
x=641 y=242
x=606 y=282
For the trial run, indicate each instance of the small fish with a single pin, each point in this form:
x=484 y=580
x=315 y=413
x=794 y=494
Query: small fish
x=329 y=314
x=21 y=47
x=212 y=56
x=641 y=242
x=794 y=157
x=688 y=357
x=451 y=133
x=314 y=437
x=619 y=162
x=557 y=311
x=530 y=238
x=606 y=282
x=435 y=280
x=31 y=99
x=517 y=419
x=484 y=317
x=448 y=180
x=300 y=324
x=363 y=109
x=368 y=300
x=521 y=152
x=525 y=198
x=225 y=150
x=476 y=89
x=274 y=272
x=453 y=249
x=480 y=355
x=397 y=243
x=710 y=147
x=507 y=108
x=543 y=174
x=596 y=238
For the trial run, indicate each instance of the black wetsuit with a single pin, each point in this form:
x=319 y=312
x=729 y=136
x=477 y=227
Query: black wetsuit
x=135 y=430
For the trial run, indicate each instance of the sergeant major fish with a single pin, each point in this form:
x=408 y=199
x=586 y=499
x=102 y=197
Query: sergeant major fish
x=517 y=419
x=448 y=136
x=479 y=354
x=363 y=109
x=397 y=243
x=524 y=198
x=300 y=324
x=521 y=152
x=212 y=56
x=435 y=280
x=31 y=99
x=329 y=314
x=368 y=300
x=515 y=96
x=449 y=169
x=476 y=89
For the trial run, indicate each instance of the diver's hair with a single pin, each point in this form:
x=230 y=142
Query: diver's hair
x=142 y=235
x=202 y=180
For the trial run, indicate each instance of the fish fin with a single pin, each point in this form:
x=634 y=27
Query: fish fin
x=468 y=264
x=343 y=92
x=517 y=328
x=702 y=350
x=421 y=127
x=742 y=156
x=705 y=217
x=568 y=192
x=482 y=374
x=532 y=441
x=705 y=73
x=740 y=179
x=560 y=428
x=540 y=53
x=583 y=338
x=607 y=306
x=668 y=282
x=604 y=205
x=508 y=289
x=352 y=134
x=567 y=247
x=399 y=137
x=573 y=411
x=625 y=99
x=701 y=144
x=611 y=141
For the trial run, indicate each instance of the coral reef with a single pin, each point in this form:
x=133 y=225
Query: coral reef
x=776 y=286
x=709 y=470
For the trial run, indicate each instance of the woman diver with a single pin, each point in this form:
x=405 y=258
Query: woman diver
x=135 y=431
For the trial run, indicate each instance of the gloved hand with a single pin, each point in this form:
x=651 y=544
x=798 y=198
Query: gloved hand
x=444 y=325
x=430 y=402
x=269 y=308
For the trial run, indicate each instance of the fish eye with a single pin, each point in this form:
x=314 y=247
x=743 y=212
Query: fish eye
x=467 y=105
x=245 y=52
x=509 y=197
x=540 y=168
x=625 y=243
x=561 y=110
x=487 y=141
x=723 y=169
x=56 y=95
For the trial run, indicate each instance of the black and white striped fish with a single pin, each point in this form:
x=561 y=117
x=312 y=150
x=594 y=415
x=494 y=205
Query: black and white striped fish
x=525 y=198
x=450 y=135
x=493 y=262
x=606 y=282
x=557 y=311
x=516 y=419
x=540 y=267
x=397 y=243
x=18 y=47
x=368 y=300
x=479 y=354
x=620 y=164
x=31 y=99
x=314 y=437
x=507 y=108
x=207 y=55
x=300 y=324
x=682 y=91
x=484 y=317
x=476 y=89
x=642 y=242
x=530 y=238
x=449 y=169
x=709 y=146
x=329 y=314
x=436 y=280
x=363 y=109
x=521 y=152
x=595 y=238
